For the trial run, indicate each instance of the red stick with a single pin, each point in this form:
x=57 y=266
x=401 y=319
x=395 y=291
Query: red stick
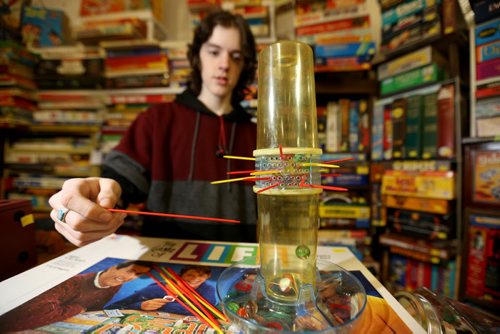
x=324 y=187
x=170 y=293
x=181 y=281
x=337 y=160
x=269 y=187
x=241 y=172
x=187 y=294
x=172 y=215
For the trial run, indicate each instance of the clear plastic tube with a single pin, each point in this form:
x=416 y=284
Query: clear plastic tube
x=287 y=145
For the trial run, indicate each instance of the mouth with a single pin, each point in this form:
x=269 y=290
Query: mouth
x=221 y=80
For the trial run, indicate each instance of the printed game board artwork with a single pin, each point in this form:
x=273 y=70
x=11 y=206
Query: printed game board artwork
x=77 y=306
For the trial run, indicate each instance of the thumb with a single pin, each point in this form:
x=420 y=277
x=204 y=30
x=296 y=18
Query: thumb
x=109 y=193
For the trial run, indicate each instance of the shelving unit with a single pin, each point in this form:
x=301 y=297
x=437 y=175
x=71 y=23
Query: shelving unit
x=431 y=254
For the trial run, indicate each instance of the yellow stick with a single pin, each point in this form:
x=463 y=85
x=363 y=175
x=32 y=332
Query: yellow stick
x=187 y=301
x=264 y=172
x=307 y=164
x=199 y=298
x=232 y=180
x=238 y=157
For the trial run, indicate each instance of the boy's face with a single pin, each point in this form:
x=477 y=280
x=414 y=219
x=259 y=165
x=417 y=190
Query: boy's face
x=194 y=277
x=221 y=63
x=116 y=276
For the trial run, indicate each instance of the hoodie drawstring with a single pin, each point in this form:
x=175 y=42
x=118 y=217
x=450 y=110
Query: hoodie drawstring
x=221 y=146
x=231 y=144
x=193 y=146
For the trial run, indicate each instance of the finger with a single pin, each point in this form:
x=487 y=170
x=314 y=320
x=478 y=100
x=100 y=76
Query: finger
x=79 y=238
x=109 y=193
x=62 y=230
x=78 y=223
x=75 y=196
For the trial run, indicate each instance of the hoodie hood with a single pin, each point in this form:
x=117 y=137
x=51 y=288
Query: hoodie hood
x=189 y=99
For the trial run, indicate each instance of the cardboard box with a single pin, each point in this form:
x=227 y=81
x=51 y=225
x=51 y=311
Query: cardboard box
x=43 y=27
x=17 y=240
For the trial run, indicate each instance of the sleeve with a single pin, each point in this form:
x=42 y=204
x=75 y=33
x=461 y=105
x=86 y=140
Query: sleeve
x=51 y=306
x=129 y=163
x=134 y=301
x=207 y=292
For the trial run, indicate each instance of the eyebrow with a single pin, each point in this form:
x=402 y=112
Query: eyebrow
x=220 y=47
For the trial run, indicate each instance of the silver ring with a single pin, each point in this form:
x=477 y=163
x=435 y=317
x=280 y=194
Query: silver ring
x=61 y=214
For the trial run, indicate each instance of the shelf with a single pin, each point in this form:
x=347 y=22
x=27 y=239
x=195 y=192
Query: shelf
x=479 y=140
x=73 y=129
x=146 y=91
x=428 y=88
x=439 y=41
x=418 y=165
x=434 y=251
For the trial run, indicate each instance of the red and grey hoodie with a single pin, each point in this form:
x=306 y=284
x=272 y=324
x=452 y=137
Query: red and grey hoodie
x=169 y=156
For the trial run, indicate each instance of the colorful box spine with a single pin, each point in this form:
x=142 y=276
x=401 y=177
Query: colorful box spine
x=392 y=15
x=410 y=61
x=411 y=35
x=344 y=114
x=364 y=126
x=345 y=24
x=389 y=31
x=399 y=110
x=341 y=36
x=333 y=127
x=413 y=136
x=488 y=127
x=483 y=264
x=388 y=132
x=488 y=32
x=488 y=107
x=430 y=127
x=344 y=50
x=452 y=17
x=438 y=184
x=377 y=143
x=488 y=69
x=488 y=51
x=344 y=211
x=353 y=126
x=488 y=90
x=439 y=206
x=411 y=79
x=485 y=10
x=446 y=134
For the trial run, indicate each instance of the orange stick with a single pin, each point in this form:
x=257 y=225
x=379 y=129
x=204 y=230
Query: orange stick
x=337 y=160
x=191 y=296
x=170 y=293
x=172 y=215
x=181 y=281
x=206 y=317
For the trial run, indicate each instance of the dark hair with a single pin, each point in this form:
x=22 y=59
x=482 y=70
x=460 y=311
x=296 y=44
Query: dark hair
x=203 y=32
x=201 y=269
x=132 y=262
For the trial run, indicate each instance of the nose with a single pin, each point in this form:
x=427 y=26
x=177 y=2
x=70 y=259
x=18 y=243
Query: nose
x=224 y=61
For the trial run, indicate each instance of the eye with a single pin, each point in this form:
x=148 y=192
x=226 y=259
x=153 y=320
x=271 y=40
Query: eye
x=236 y=56
x=213 y=52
